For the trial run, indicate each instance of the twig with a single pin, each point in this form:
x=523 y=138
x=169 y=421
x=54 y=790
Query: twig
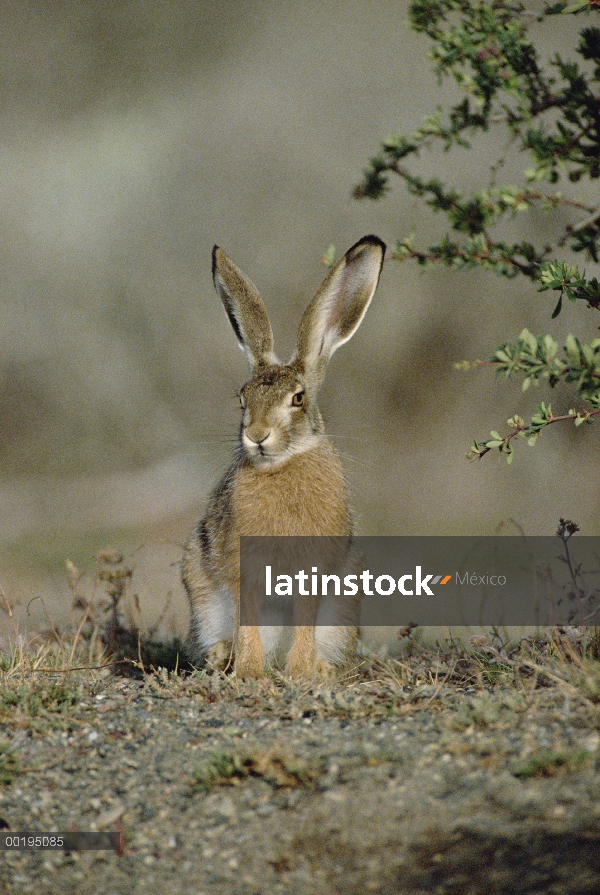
x=566 y=529
x=524 y=428
x=84 y=667
x=593 y=218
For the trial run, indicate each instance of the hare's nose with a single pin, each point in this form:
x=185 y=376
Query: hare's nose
x=257 y=437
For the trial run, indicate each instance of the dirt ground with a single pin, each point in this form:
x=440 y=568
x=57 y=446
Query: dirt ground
x=429 y=775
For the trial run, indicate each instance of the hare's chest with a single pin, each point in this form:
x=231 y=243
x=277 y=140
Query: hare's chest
x=302 y=499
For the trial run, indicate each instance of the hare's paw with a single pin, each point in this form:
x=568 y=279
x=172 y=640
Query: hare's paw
x=301 y=659
x=219 y=655
x=300 y=663
x=249 y=667
x=325 y=670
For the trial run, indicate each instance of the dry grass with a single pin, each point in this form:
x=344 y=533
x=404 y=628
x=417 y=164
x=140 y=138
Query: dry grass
x=42 y=675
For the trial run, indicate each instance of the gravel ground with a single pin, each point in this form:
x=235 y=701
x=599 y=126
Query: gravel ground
x=366 y=785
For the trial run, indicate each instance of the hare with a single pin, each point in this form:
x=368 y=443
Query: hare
x=286 y=477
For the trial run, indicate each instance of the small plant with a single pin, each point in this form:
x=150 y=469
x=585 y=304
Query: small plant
x=550 y=762
x=221 y=768
x=10 y=766
x=35 y=702
x=111 y=617
x=585 y=603
x=277 y=767
x=484 y=711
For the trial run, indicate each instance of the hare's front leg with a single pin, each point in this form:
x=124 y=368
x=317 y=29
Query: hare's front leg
x=249 y=653
x=301 y=659
x=211 y=612
x=249 y=650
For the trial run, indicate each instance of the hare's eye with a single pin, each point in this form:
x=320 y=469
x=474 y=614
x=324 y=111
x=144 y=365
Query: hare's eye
x=298 y=399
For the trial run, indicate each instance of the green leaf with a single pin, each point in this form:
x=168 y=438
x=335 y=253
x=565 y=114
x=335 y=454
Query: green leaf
x=572 y=349
x=558 y=307
x=575 y=7
x=328 y=256
x=529 y=340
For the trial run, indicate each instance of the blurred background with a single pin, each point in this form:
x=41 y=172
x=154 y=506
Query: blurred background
x=134 y=136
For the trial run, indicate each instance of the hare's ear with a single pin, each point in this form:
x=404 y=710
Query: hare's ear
x=245 y=309
x=336 y=311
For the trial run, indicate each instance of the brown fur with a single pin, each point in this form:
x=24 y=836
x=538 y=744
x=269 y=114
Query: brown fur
x=287 y=478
